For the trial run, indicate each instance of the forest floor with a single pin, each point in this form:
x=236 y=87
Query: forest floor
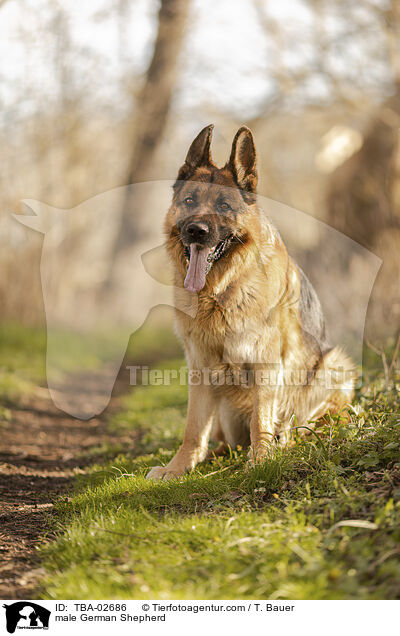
x=42 y=451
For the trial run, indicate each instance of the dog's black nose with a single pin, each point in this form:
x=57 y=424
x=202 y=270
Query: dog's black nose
x=197 y=231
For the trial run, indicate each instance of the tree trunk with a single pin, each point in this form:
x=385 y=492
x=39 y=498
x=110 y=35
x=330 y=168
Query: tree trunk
x=153 y=106
x=364 y=203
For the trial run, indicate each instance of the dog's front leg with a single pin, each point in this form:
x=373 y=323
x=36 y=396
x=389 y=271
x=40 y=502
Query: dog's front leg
x=195 y=442
x=262 y=424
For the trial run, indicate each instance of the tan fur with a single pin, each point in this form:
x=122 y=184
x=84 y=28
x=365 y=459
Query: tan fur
x=247 y=320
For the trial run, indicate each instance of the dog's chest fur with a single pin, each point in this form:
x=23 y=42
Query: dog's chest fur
x=232 y=328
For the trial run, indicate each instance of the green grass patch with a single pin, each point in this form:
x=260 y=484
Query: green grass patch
x=23 y=353
x=320 y=520
x=22 y=361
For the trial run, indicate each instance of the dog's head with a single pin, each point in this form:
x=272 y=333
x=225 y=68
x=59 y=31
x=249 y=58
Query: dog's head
x=209 y=215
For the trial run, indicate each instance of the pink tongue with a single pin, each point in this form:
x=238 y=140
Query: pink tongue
x=196 y=273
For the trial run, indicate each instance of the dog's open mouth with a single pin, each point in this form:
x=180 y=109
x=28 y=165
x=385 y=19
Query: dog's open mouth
x=200 y=260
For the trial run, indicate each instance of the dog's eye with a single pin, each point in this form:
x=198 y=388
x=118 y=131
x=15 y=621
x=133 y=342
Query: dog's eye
x=224 y=206
x=189 y=201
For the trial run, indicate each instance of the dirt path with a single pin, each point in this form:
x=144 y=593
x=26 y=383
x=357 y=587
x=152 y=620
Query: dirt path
x=41 y=449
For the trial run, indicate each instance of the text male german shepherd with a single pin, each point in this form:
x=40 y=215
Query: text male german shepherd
x=258 y=337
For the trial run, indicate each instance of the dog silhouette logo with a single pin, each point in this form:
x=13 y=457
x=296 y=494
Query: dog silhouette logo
x=26 y=615
x=77 y=313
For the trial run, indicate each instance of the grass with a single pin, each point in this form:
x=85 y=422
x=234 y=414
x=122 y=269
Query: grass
x=23 y=353
x=320 y=520
x=22 y=361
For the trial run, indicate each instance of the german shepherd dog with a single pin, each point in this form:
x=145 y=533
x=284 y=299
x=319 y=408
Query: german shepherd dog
x=258 y=336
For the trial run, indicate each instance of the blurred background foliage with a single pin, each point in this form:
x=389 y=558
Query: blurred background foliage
x=101 y=94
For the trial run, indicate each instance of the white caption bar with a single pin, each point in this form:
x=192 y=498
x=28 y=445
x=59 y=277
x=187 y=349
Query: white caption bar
x=158 y=617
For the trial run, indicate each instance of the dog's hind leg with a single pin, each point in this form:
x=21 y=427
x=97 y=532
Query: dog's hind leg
x=329 y=392
x=235 y=427
x=231 y=430
x=221 y=450
x=217 y=436
x=336 y=377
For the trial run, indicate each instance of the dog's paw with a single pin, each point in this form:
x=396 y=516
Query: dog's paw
x=163 y=473
x=253 y=462
x=259 y=455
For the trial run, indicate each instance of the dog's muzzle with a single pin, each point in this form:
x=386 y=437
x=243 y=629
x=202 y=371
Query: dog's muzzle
x=200 y=260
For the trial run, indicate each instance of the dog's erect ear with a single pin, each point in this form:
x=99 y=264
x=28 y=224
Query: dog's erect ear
x=199 y=153
x=243 y=160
